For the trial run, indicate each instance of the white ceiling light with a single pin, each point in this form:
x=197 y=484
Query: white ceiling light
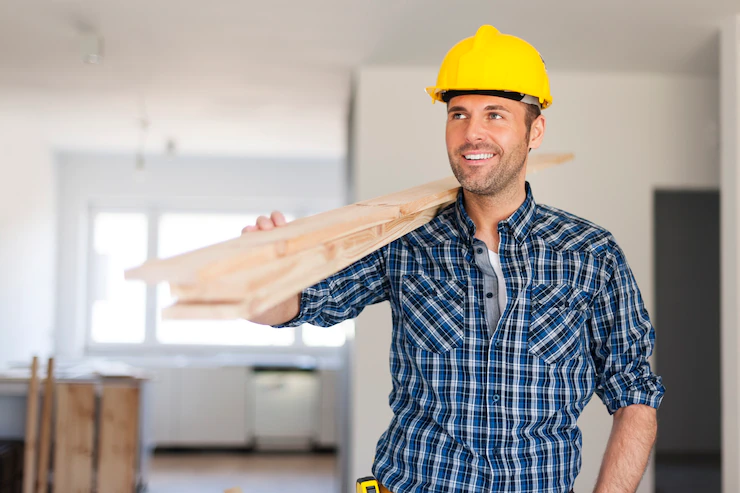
x=92 y=48
x=143 y=131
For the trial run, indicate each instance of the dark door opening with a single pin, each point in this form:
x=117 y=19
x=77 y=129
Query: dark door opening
x=687 y=324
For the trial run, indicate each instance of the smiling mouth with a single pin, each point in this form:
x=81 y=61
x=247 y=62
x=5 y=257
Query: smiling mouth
x=478 y=156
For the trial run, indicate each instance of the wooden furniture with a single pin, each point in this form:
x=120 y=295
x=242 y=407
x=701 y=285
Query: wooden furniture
x=245 y=276
x=29 y=451
x=73 y=443
x=118 y=439
x=97 y=440
x=42 y=483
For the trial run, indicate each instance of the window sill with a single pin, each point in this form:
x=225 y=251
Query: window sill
x=161 y=356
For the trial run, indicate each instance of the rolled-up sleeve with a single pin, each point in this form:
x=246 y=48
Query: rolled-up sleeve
x=345 y=294
x=622 y=340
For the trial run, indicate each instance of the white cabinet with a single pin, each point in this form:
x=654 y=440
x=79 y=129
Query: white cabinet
x=285 y=408
x=327 y=421
x=239 y=407
x=212 y=406
x=163 y=393
x=200 y=407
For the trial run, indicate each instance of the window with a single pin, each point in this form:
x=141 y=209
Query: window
x=118 y=311
x=327 y=336
x=129 y=312
x=179 y=233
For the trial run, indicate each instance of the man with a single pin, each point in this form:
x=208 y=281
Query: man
x=507 y=315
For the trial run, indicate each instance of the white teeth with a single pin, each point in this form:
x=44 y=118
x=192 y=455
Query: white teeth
x=475 y=157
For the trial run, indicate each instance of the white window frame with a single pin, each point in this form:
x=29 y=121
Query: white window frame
x=87 y=181
x=150 y=345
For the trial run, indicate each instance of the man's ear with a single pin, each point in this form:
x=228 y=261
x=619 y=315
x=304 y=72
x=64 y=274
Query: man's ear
x=537 y=132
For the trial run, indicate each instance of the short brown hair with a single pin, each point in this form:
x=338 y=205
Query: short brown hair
x=532 y=112
x=530 y=115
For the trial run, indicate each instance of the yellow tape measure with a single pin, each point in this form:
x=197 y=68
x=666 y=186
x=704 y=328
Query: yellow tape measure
x=368 y=485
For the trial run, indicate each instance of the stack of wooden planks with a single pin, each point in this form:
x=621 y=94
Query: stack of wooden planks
x=243 y=277
x=87 y=417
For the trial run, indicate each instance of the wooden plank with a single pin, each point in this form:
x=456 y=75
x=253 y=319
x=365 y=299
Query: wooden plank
x=42 y=485
x=197 y=310
x=32 y=422
x=304 y=233
x=250 y=274
x=265 y=246
x=73 y=442
x=118 y=439
x=538 y=162
x=253 y=296
x=311 y=265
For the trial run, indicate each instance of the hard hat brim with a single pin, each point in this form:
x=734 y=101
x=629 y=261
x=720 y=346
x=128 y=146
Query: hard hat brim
x=444 y=95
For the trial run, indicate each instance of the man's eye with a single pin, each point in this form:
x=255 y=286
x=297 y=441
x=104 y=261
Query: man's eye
x=495 y=116
x=457 y=116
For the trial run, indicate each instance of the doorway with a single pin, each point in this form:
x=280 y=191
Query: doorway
x=687 y=321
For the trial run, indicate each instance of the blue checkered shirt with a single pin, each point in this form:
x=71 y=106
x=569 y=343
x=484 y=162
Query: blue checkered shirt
x=488 y=403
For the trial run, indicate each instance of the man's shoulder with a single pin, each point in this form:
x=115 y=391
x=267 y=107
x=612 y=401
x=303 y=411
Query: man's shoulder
x=566 y=231
x=442 y=228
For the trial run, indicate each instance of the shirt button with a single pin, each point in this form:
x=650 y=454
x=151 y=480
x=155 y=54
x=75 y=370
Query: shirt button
x=479 y=250
x=496 y=398
x=498 y=344
x=489 y=295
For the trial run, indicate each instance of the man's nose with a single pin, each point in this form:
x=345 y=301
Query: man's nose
x=474 y=132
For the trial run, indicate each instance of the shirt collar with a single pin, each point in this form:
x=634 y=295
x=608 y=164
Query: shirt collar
x=519 y=223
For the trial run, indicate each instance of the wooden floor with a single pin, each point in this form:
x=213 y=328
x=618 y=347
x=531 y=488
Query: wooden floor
x=252 y=472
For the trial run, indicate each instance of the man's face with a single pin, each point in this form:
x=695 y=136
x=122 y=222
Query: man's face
x=488 y=141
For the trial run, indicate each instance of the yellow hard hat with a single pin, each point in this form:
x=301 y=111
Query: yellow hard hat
x=492 y=63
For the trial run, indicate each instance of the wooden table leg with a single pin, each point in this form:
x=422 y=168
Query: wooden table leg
x=42 y=485
x=32 y=416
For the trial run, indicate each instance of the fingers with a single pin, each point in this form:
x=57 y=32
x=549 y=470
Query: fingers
x=278 y=218
x=265 y=223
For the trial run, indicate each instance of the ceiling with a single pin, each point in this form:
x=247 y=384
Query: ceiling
x=247 y=77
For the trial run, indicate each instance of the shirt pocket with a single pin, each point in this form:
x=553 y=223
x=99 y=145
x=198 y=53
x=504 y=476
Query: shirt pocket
x=433 y=312
x=557 y=313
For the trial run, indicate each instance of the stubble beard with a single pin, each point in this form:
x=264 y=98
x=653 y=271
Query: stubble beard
x=498 y=178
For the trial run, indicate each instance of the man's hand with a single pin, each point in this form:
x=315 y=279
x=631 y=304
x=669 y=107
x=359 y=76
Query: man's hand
x=289 y=309
x=265 y=223
x=631 y=440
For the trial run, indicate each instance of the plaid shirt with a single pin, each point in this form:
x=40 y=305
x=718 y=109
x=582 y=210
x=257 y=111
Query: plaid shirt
x=481 y=406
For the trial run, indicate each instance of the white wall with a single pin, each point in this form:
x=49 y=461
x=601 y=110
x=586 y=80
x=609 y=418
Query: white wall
x=203 y=183
x=27 y=240
x=730 y=321
x=631 y=133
